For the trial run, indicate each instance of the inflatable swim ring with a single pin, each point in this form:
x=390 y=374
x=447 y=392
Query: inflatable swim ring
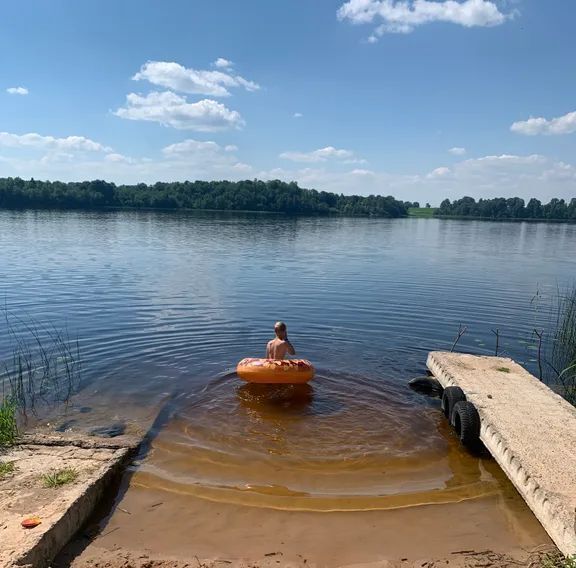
x=292 y=371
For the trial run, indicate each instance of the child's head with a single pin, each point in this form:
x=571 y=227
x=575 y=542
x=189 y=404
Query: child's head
x=280 y=329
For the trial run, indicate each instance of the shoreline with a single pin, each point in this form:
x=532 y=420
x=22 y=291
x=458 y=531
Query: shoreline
x=285 y=214
x=151 y=527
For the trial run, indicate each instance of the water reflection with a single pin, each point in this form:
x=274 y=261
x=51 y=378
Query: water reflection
x=270 y=401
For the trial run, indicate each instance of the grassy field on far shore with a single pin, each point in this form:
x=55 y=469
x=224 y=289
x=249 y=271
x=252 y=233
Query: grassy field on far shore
x=421 y=211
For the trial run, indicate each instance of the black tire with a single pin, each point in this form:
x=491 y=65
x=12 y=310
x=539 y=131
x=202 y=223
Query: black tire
x=450 y=397
x=466 y=423
x=426 y=385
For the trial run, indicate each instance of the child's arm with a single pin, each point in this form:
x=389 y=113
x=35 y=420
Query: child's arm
x=268 y=356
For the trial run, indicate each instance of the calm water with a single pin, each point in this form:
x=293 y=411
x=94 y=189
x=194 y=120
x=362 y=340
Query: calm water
x=165 y=304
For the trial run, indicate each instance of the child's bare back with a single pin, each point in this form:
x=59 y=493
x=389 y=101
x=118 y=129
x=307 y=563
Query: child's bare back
x=279 y=346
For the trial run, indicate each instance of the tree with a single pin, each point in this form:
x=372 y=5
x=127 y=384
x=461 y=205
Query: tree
x=248 y=195
x=534 y=209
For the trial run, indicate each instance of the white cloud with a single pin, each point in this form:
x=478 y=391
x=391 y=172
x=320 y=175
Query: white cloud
x=298 y=115
x=439 y=173
x=223 y=63
x=76 y=157
x=403 y=16
x=322 y=155
x=17 y=90
x=170 y=109
x=504 y=175
x=50 y=143
x=489 y=176
x=207 y=156
x=190 y=146
x=118 y=158
x=457 y=151
x=175 y=76
x=562 y=125
x=186 y=160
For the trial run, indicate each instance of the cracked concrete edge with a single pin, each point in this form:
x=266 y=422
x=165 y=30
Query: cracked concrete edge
x=559 y=523
x=42 y=552
x=86 y=442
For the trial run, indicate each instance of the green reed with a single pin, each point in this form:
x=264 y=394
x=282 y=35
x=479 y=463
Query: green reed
x=43 y=364
x=8 y=424
x=562 y=356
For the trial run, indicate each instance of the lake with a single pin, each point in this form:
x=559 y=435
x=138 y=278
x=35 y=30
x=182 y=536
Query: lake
x=164 y=305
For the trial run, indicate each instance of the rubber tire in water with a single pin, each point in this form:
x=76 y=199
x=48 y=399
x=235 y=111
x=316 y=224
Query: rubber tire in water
x=466 y=422
x=427 y=385
x=450 y=397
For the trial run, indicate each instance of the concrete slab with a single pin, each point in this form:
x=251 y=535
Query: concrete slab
x=62 y=510
x=530 y=431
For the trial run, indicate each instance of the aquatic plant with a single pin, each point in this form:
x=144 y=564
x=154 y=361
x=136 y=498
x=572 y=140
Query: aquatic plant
x=60 y=477
x=8 y=424
x=561 y=359
x=44 y=363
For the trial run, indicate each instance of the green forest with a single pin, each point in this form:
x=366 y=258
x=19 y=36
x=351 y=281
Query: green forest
x=270 y=196
x=511 y=208
x=253 y=195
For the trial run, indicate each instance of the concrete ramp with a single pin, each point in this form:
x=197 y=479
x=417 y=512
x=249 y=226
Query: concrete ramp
x=530 y=431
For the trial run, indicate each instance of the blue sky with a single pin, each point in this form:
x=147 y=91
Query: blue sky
x=421 y=99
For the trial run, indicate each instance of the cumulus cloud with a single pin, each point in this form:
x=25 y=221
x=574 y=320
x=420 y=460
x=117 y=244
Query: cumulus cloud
x=497 y=175
x=186 y=160
x=488 y=176
x=562 y=125
x=223 y=63
x=170 y=109
x=457 y=151
x=207 y=155
x=439 y=173
x=298 y=115
x=191 y=146
x=119 y=158
x=192 y=81
x=17 y=91
x=50 y=143
x=322 y=155
x=403 y=16
x=77 y=157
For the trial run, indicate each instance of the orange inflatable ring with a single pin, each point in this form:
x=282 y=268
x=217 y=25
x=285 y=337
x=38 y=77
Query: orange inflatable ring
x=291 y=371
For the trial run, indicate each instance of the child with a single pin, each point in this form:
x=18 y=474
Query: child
x=279 y=346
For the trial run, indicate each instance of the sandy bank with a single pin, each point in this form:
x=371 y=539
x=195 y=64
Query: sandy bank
x=61 y=510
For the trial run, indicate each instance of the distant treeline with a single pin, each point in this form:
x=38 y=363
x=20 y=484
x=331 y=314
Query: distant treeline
x=511 y=208
x=271 y=196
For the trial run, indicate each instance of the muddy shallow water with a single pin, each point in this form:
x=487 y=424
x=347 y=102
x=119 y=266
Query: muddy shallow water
x=340 y=443
x=342 y=471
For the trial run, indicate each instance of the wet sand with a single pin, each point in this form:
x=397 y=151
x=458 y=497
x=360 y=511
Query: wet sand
x=160 y=524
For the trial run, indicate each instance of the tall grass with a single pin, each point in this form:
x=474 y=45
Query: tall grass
x=43 y=364
x=8 y=424
x=562 y=353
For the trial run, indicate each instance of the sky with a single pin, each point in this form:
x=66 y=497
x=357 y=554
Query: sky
x=420 y=99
